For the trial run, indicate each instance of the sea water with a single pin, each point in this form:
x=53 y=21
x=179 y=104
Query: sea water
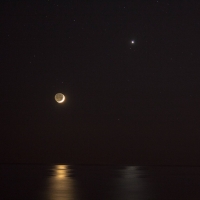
x=87 y=182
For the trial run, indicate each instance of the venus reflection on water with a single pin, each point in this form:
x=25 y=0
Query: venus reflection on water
x=132 y=185
x=60 y=185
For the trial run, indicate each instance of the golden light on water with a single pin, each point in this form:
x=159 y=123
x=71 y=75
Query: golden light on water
x=60 y=185
x=61 y=171
x=64 y=167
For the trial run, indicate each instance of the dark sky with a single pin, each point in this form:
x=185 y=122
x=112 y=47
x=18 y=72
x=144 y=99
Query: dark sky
x=126 y=103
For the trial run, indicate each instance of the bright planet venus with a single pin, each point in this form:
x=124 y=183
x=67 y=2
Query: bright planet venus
x=60 y=98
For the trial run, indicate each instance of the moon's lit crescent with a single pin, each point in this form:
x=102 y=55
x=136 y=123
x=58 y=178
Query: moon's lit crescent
x=60 y=98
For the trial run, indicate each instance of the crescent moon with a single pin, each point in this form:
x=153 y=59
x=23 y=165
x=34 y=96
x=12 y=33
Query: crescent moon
x=62 y=100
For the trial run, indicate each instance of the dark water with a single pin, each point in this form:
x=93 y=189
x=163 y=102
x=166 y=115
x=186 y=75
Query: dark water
x=59 y=182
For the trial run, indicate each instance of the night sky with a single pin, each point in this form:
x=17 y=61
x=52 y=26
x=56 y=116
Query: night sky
x=127 y=103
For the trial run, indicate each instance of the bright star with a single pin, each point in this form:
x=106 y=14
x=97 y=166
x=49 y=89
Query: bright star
x=132 y=42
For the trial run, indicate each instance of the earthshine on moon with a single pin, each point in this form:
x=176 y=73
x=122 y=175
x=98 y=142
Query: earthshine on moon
x=60 y=98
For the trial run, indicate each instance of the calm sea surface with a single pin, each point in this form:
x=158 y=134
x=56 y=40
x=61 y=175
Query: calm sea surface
x=59 y=182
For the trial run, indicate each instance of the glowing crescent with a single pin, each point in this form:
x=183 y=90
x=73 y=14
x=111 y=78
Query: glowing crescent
x=62 y=100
